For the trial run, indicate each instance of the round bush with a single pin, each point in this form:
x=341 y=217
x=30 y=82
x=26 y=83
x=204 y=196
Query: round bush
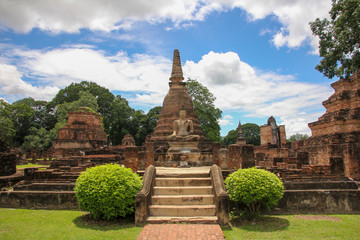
x=107 y=191
x=254 y=188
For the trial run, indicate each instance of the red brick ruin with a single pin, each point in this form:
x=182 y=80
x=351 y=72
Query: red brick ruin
x=329 y=159
x=83 y=132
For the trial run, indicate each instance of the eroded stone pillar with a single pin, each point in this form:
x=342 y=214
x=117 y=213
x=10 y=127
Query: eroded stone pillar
x=150 y=154
x=216 y=149
x=223 y=158
x=131 y=158
x=234 y=161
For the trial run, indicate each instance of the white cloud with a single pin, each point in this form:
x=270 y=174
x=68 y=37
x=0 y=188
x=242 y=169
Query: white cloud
x=12 y=85
x=60 y=67
x=238 y=86
x=108 y=15
x=294 y=15
x=226 y=120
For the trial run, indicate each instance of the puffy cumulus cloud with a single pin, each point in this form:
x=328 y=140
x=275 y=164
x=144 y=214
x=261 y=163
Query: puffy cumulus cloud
x=238 y=86
x=299 y=123
x=108 y=15
x=60 y=67
x=294 y=15
x=219 y=69
x=226 y=120
x=13 y=86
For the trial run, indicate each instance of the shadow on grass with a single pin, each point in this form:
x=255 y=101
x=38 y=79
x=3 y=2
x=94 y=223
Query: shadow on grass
x=85 y=221
x=262 y=224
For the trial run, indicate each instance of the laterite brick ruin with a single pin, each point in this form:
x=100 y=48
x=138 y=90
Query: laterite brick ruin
x=319 y=174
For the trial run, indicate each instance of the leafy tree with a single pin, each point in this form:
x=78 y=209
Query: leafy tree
x=147 y=124
x=120 y=120
x=298 y=136
x=22 y=116
x=85 y=100
x=251 y=132
x=230 y=138
x=38 y=139
x=44 y=115
x=7 y=130
x=104 y=97
x=339 y=39
x=204 y=107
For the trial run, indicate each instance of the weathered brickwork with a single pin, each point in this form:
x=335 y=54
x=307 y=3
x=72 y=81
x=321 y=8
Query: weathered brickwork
x=83 y=132
x=336 y=134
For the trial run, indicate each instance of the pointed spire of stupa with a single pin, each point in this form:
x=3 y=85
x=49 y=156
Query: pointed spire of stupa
x=241 y=140
x=176 y=74
x=239 y=129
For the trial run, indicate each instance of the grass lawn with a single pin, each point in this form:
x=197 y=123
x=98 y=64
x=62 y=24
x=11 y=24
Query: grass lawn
x=296 y=227
x=31 y=165
x=52 y=224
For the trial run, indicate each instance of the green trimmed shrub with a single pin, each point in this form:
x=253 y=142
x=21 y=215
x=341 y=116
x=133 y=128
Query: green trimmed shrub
x=255 y=189
x=107 y=191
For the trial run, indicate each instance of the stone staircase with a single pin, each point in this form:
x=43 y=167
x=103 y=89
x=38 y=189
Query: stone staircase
x=182 y=195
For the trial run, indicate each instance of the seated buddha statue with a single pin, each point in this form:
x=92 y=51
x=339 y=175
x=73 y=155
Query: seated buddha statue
x=183 y=129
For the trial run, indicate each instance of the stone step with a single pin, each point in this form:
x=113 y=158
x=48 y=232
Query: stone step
x=183 y=181
x=172 y=219
x=182 y=210
x=183 y=174
x=184 y=190
x=45 y=187
x=182 y=199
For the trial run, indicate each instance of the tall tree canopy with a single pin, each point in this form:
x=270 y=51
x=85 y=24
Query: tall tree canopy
x=298 y=136
x=339 y=39
x=104 y=97
x=204 y=107
x=7 y=130
x=251 y=132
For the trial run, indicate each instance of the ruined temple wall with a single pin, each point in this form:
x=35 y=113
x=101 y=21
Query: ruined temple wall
x=86 y=118
x=266 y=135
x=336 y=134
x=343 y=147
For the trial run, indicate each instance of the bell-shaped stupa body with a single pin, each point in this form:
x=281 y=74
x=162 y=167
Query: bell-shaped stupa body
x=176 y=99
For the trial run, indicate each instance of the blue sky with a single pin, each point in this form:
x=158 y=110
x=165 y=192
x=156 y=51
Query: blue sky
x=256 y=57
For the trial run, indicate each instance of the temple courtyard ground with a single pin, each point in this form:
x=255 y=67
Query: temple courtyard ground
x=54 y=224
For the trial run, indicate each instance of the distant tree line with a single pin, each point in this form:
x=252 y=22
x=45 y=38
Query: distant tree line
x=33 y=125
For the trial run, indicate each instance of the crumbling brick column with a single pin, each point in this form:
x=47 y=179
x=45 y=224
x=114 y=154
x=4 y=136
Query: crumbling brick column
x=216 y=148
x=150 y=154
x=223 y=158
x=247 y=156
x=131 y=158
x=241 y=156
x=234 y=161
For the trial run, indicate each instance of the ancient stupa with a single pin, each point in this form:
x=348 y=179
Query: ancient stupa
x=176 y=99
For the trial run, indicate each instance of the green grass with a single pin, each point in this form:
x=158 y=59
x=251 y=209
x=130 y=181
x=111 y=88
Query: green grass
x=30 y=165
x=53 y=224
x=296 y=227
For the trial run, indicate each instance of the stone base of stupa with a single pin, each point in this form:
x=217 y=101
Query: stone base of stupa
x=184 y=148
